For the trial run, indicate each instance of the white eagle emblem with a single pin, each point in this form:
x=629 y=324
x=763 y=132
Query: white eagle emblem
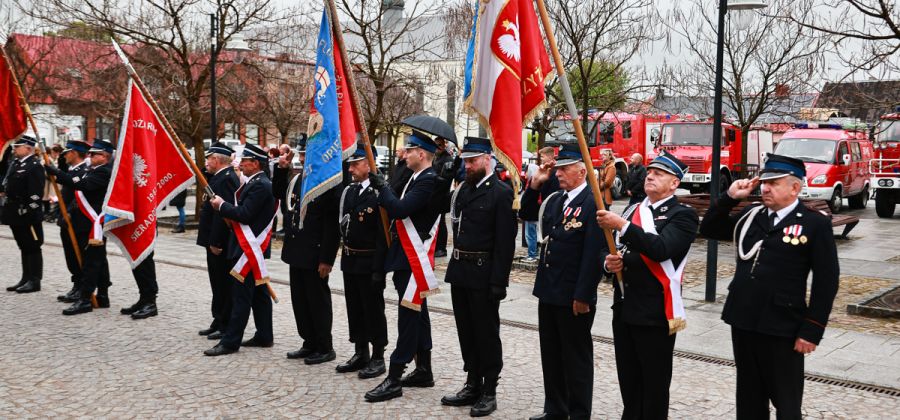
x=140 y=170
x=510 y=43
x=324 y=81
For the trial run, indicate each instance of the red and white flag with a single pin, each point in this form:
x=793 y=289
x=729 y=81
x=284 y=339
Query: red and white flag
x=148 y=171
x=13 y=122
x=505 y=84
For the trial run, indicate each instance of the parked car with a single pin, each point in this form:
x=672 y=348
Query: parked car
x=383 y=160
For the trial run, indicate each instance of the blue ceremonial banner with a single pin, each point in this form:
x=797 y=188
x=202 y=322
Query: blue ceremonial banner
x=322 y=169
x=470 y=55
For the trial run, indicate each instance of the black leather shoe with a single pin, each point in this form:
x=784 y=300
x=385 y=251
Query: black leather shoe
x=215 y=335
x=388 y=389
x=418 y=378
x=80 y=307
x=253 y=342
x=71 y=296
x=102 y=301
x=355 y=363
x=30 y=287
x=468 y=395
x=132 y=309
x=219 y=350
x=486 y=405
x=145 y=311
x=208 y=331
x=17 y=285
x=317 y=358
x=300 y=354
x=374 y=369
x=542 y=416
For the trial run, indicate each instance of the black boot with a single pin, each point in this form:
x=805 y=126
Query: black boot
x=147 y=310
x=375 y=367
x=102 y=298
x=72 y=295
x=133 y=308
x=421 y=376
x=25 y=276
x=468 y=395
x=35 y=264
x=79 y=307
x=359 y=360
x=390 y=388
x=487 y=404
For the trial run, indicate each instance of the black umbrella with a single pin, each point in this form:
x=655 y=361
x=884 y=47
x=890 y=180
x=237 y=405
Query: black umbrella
x=431 y=125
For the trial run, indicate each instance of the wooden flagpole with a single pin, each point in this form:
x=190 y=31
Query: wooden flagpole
x=351 y=86
x=168 y=127
x=579 y=132
x=43 y=151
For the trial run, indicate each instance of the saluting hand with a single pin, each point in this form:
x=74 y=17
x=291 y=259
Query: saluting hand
x=579 y=307
x=804 y=347
x=541 y=175
x=216 y=202
x=742 y=188
x=285 y=160
x=609 y=220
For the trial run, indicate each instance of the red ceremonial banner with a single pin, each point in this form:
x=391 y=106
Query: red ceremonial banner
x=345 y=106
x=13 y=122
x=148 y=171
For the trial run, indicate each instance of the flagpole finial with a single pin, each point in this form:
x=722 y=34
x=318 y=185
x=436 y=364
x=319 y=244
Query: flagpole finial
x=123 y=57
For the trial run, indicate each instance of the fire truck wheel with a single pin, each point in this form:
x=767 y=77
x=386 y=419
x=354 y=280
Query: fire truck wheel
x=859 y=201
x=837 y=201
x=884 y=206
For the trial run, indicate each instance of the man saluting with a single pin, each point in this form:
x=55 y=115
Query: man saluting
x=772 y=325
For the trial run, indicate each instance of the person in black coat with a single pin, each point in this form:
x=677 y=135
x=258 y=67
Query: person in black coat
x=484 y=226
x=75 y=166
x=654 y=236
x=90 y=191
x=310 y=248
x=400 y=174
x=566 y=287
x=23 y=212
x=773 y=325
x=443 y=166
x=416 y=202
x=634 y=186
x=212 y=235
x=362 y=264
x=253 y=211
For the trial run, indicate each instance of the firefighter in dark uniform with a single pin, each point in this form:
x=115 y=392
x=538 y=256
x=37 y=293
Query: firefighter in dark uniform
x=773 y=325
x=362 y=264
x=90 y=191
x=653 y=237
x=310 y=248
x=255 y=208
x=566 y=286
x=23 y=211
x=76 y=165
x=213 y=234
x=484 y=226
x=416 y=201
x=443 y=166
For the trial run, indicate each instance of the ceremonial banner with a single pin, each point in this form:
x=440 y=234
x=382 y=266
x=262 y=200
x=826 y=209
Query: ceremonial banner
x=13 y=122
x=147 y=172
x=505 y=70
x=326 y=146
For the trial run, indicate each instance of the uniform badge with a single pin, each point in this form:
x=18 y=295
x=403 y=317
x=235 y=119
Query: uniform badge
x=369 y=210
x=803 y=239
x=664 y=209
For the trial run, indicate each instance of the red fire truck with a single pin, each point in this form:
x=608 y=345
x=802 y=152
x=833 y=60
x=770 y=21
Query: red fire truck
x=623 y=133
x=885 y=168
x=691 y=142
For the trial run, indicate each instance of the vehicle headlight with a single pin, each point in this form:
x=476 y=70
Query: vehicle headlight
x=819 y=179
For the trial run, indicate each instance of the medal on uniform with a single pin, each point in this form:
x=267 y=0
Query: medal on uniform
x=803 y=239
x=369 y=210
x=786 y=239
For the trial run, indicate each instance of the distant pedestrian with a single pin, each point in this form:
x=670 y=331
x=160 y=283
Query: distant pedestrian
x=634 y=187
x=179 y=201
x=607 y=176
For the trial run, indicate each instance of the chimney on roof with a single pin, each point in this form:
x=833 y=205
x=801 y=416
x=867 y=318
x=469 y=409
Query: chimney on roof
x=782 y=90
x=392 y=11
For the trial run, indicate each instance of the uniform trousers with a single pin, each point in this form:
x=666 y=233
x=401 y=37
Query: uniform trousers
x=442 y=233
x=29 y=238
x=311 y=301
x=247 y=296
x=365 y=309
x=768 y=369
x=477 y=316
x=567 y=359
x=95 y=271
x=413 y=327
x=220 y=281
x=644 y=367
x=69 y=252
x=145 y=277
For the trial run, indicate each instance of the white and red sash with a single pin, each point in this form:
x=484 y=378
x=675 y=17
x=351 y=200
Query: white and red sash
x=96 y=235
x=422 y=281
x=669 y=277
x=253 y=247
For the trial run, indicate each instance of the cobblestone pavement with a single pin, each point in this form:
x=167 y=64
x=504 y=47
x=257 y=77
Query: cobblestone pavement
x=103 y=364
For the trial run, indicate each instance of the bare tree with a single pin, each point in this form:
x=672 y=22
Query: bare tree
x=765 y=60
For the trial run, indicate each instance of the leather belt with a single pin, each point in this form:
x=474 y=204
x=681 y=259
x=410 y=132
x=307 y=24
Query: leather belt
x=478 y=257
x=358 y=252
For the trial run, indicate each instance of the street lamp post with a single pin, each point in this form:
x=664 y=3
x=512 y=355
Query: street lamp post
x=236 y=44
x=712 y=246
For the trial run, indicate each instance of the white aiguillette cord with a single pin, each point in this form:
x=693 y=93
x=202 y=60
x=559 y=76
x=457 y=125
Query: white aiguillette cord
x=747 y=219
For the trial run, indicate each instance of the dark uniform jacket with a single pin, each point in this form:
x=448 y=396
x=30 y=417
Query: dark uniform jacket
x=93 y=183
x=68 y=193
x=415 y=204
x=442 y=165
x=318 y=241
x=768 y=296
x=676 y=225
x=399 y=176
x=486 y=223
x=635 y=182
x=24 y=189
x=570 y=264
x=212 y=230
x=361 y=230
x=255 y=208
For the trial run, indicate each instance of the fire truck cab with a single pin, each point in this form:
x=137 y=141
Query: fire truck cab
x=691 y=142
x=836 y=159
x=884 y=169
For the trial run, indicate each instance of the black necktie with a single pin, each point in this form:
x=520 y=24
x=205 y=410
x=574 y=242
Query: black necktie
x=562 y=203
x=772 y=217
